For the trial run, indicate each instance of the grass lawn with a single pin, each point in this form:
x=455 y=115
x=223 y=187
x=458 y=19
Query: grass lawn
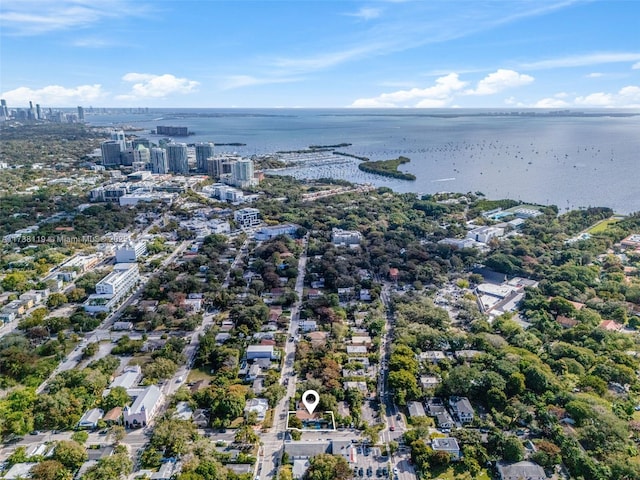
x=200 y=373
x=602 y=226
x=456 y=472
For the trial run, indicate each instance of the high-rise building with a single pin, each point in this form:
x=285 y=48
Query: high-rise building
x=141 y=154
x=127 y=157
x=38 y=112
x=3 y=106
x=177 y=158
x=242 y=173
x=118 y=136
x=221 y=164
x=110 y=153
x=80 y=113
x=203 y=152
x=159 y=161
x=141 y=141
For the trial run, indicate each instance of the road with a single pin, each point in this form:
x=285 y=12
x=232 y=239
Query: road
x=391 y=415
x=273 y=441
x=103 y=331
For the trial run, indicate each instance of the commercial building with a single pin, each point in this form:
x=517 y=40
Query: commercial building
x=345 y=237
x=108 y=193
x=113 y=288
x=141 y=154
x=172 y=131
x=247 y=217
x=485 y=234
x=242 y=174
x=177 y=158
x=221 y=164
x=204 y=151
x=110 y=151
x=158 y=159
x=144 y=407
x=130 y=252
x=267 y=233
x=225 y=193
x=132 y=199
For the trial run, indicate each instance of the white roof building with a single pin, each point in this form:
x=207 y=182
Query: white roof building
x=144 y=407
x=90 y=418
x=258 y=405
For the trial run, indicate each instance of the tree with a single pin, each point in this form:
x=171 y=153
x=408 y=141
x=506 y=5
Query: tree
x=328 y=467
x=117 y=397
x=285 y=473
x=110 y=468
x=50 y=470
x=245 y=435
x=80 y=436
x=512 y=449
x=70 y=454
x=172 y=435
x=56 y=299
x=117 y=433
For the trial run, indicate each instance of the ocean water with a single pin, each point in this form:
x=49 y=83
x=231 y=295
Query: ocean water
x=572 y=161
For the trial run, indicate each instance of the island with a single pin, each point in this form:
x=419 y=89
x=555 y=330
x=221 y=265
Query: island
x=387 y=168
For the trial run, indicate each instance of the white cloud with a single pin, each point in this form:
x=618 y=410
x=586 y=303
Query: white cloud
x=239 y=81
x=599 y=99
x=147 y=85
x=500 y=80
x=550 y=103
x=626 y=97
x=439 y=95
x=366 y=13
x=55 y=95
x=35 y=17
x=583 y=60
x=594 y=75
x=635 y=66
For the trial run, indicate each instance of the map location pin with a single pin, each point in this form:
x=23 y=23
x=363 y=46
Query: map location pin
x=310 y=399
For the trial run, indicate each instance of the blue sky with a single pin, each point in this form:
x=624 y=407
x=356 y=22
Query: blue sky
x=305 y=53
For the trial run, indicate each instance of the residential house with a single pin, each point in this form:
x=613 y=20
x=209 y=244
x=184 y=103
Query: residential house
x=356 y=350
x=448 y=445
x=90 y=419
x=462 y=409
x=611 y=326
x=433 y=356
x=258 y=405
x=520 y=470
x=416 y=409
x=201 y=418
x=566 y=322
x=308 y=326
x=261 y=351
x=361 y=386
x=429 y=381
x=365 y=295
x=113 y=416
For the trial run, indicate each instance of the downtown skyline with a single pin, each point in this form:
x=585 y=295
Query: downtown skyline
x=224 y=54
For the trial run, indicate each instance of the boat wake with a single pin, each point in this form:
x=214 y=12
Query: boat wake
x=444 y=179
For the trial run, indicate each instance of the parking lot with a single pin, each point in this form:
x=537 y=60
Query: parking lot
x=369 y=463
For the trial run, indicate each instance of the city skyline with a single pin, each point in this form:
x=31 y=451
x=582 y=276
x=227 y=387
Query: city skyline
x=225 y=54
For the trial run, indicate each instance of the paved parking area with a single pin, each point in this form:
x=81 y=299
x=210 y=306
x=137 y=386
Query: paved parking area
x=370 y=464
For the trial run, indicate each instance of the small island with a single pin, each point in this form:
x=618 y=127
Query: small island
x=387 y=168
